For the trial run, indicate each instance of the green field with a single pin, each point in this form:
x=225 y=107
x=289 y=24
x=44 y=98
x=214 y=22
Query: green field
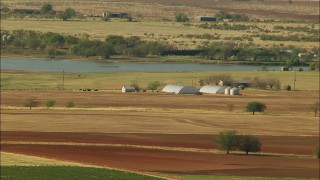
x=66 y=173
x=307 y=80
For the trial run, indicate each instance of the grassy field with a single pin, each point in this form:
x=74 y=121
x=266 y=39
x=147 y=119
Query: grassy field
x=65 y=172
x=306 y=80
x=172 y=32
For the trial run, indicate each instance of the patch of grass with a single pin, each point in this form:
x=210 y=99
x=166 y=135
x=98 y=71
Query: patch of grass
x=66 y=173
x=115 y=80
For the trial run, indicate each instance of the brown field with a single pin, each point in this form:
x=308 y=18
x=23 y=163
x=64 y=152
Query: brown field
x=164 y=133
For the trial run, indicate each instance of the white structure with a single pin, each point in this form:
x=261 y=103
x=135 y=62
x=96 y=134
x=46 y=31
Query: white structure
x=180 y=89
x=213 y=89
x=234 y=91
x=128 y=89
x=227 y=91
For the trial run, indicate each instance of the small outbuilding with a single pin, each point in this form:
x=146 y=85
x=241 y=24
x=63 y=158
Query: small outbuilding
x=244 y=83
x=207 y=19
x=180 y=89
x=213 y=89
x=128 y=89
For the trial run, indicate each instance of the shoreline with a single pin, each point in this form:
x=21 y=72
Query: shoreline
x=150 y=60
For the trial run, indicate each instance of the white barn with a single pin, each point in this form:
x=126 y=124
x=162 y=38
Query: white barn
x=180 y=89
x=128 y=89
x=211 y=89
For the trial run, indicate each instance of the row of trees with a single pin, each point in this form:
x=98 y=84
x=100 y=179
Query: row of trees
x=230 y=140
x=256 y=82
x=45 y=11
x=244 y=52
x=53 y=43
x=33 y=102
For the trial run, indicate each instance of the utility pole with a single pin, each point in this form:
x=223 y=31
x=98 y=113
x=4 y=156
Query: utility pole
x=62 y=79
x=294 y=81
x=195 y=80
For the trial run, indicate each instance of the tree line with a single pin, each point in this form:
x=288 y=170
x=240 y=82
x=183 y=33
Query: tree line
x=54 y=44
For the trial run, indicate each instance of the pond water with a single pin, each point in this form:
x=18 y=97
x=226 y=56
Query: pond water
x=94 y=66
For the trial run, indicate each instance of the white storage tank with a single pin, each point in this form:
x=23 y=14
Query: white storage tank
x=227 y=91
x=234 y=91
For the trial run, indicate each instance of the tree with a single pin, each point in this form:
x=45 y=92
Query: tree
x=273 y=82
x=67 y=14
x=181 y=17
x=50 y=103
x=154 y=85
x=135 y=85
x=46 y=9
x=316 y=108
x=227 y=140
x=255 y=107
x=249 y=143
x=31 y=102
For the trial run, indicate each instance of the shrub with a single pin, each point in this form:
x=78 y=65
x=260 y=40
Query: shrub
x=227 y=140
x=31 y=102
x=50 y=103
x=288 y=88
x=181 y=17
x=70 y=104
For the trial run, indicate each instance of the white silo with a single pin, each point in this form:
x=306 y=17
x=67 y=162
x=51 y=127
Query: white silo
x=227 y=91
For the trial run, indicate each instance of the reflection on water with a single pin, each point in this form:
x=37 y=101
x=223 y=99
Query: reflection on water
x=92 y=66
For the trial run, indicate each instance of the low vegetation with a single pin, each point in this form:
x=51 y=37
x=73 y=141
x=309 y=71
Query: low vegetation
x=66 y=172
x=50 y=103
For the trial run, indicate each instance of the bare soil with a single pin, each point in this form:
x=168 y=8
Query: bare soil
x=175 y=161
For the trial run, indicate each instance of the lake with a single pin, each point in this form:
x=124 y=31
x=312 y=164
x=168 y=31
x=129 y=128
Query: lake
x=93 y=66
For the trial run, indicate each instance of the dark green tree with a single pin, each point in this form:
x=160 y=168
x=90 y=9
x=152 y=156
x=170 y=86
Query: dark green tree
x=181 y=17
x=154 y=85
x=67 y=14
x=255 y=107
x=227 y=140
x=47 y=9
x=249 y=143
x=50 y=103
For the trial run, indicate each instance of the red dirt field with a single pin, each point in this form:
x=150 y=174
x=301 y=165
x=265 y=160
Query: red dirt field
x=151 y=160
x=271 y=144
x=168 y=161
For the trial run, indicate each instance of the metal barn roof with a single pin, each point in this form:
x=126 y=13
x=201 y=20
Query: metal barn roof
x=211 y=89
x=180 y=89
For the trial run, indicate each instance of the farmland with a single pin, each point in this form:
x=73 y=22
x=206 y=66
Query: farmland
x=149 y=134
x=159 y=129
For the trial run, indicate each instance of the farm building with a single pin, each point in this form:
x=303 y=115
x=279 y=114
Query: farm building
x=128 y=89
x=180 y=89
x=245 y=83
x=207 y=19
x=213 y=89
x=115 y=14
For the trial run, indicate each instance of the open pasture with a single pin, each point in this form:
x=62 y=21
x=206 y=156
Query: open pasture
x=115 y=80
x=172 y=32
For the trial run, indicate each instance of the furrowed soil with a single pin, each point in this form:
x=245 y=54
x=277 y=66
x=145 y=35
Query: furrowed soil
x=165 y=133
